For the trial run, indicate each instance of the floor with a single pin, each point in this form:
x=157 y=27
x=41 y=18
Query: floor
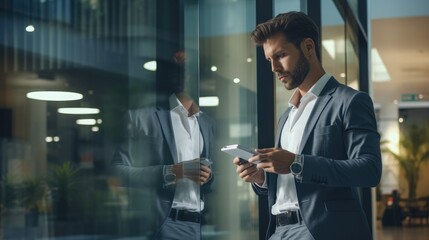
x=418 y=232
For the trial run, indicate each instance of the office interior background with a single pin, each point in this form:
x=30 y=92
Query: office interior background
x=55 y=153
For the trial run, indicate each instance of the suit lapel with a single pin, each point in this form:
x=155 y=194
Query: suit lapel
x=167 y=129
x=204 y=128
x=323 y=99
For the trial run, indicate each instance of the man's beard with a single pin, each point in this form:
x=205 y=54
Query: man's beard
x=302 y=67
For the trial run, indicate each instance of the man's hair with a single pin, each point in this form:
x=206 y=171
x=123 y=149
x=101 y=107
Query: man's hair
x=295 y=26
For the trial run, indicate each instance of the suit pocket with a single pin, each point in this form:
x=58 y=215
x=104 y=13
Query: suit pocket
x=342 y=206
x=326 y=130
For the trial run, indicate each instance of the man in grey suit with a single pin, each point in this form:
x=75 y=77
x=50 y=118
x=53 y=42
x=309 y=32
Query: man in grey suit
x=327 y=144
x=163 y=162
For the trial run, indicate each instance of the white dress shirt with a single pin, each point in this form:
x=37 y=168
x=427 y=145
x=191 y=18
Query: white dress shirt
x=291 y=135
x=189 y=144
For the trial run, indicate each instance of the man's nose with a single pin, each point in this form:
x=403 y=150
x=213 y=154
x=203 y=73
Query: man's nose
x=275 y=66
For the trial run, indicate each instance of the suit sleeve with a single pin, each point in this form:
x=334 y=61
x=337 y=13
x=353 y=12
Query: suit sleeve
x=132 y=162
x=361 y=166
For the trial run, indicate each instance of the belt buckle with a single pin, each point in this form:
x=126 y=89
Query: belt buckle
x=288 y=217
x=183 y=215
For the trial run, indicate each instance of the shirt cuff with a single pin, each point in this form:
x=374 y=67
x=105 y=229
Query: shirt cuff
x=264 y=185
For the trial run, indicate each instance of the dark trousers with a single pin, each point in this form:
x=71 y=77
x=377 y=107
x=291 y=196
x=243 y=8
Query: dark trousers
x=179 y=230
x=298 y=231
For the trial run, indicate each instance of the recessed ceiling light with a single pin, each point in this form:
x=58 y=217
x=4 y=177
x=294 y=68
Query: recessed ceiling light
x=151 y=66
x=54 y=96
x=79 y=110
x=379 y=70
x=86 y=121
x=236 y=80
x=212 y=101
x=213 y=68
x=329 y=45
x=249 y=60
x=30 y=28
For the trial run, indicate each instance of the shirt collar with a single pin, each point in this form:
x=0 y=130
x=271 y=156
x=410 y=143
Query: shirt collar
x=177 y=106
x=314 y=91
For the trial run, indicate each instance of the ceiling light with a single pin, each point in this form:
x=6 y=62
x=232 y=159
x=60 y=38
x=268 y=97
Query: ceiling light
x=379 y=70
x=236 y=80
x=151 y=65
x=213 y=68
x=48 y=139
x=54 y=95
x=95 y=129
x=30 y=28
x=86 y=121
x=249 y=60
x=209 y=101
x=329 y=45
x=79 y=110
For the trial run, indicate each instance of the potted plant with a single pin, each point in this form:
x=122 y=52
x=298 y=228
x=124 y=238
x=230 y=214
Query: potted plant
x=413 y=152
x=31 y=193
x=62 y=182
x=8 y=199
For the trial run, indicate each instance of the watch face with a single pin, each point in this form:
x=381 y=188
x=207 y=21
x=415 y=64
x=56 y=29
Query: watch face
x=296 y=168
x=170 y=178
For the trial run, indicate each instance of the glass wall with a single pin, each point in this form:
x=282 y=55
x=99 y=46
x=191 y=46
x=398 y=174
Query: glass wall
x=282 y=95
x=333 y=37
x=89 y=162
x=227 y=70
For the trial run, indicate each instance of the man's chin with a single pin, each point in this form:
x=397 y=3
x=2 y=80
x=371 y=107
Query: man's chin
x=288 y=86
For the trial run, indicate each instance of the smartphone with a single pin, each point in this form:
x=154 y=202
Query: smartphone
x=237 y=150
x=206 y=162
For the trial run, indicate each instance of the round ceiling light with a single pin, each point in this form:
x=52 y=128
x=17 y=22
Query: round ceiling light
x=86 y=121
x=79 y=110
x=54 y=96
x=151 y=66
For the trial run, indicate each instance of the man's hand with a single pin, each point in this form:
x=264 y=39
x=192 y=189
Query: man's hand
x=248 y=172
x=275 y=160
x=205 y=173
x=192 y=170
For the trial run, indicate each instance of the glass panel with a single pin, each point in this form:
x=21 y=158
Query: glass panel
x=352 y=59
x=282 y=95
x=354 y=5
x=333 y=41
x=103 y=174
x=56 y=162
x=228 y=63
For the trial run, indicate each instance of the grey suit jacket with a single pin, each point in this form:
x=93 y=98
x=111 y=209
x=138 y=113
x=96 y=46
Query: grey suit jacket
x=148 y=146
x=341 y=149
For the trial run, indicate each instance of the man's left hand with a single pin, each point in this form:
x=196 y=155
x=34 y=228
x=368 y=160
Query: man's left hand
x=275 y=160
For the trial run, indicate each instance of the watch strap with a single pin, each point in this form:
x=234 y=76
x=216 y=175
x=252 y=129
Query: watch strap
x=169 y=176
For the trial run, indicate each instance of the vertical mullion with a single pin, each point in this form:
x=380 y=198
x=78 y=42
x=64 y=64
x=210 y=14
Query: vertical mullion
x=265 y=109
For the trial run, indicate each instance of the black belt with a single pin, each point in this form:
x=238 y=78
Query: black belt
x=288 y=217
x=183 y=215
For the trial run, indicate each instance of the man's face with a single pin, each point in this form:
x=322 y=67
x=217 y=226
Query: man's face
x=287 y=61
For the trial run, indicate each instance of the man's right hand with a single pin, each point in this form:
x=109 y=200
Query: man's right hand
x=249 y=173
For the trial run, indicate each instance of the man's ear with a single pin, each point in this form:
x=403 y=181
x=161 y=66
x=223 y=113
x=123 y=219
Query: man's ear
x=307 y=47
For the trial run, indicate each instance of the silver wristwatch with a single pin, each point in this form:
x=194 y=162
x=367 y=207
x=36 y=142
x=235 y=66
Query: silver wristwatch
x=296 y=166
x=169 y=176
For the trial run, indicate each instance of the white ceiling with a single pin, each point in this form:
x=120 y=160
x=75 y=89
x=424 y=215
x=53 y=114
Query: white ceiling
x=404 y=48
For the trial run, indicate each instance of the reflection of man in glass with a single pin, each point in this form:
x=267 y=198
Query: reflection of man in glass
x=164 y=162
